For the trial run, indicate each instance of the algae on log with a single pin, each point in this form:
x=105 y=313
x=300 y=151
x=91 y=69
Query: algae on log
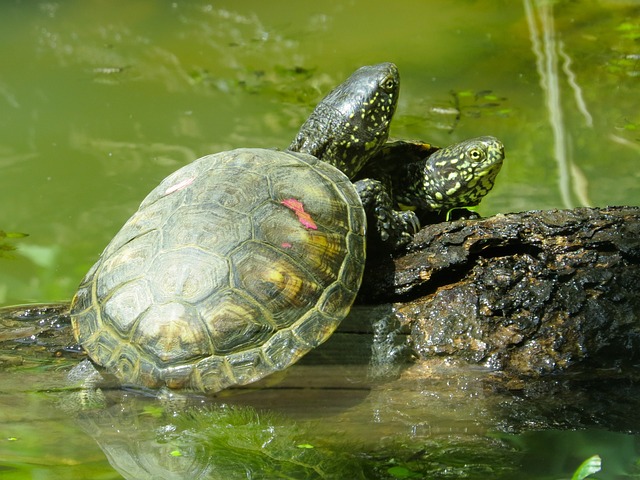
x=525 y=293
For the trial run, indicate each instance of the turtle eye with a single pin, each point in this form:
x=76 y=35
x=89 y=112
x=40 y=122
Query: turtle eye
x=389 y=84
x=475 y=154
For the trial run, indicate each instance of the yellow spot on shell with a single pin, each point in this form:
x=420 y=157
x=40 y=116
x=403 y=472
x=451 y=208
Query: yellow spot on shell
x=289 y=286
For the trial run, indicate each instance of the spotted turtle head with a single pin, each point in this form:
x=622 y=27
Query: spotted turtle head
x=460 y=174
x=350 y=125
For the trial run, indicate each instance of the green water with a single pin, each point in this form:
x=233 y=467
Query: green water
x=101 y=100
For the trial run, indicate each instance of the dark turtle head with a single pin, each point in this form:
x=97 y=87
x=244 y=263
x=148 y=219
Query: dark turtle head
x=352 y=122
x=456 y=176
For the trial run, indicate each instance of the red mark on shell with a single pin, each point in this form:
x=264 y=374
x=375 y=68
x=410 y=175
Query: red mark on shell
x=179 y=186
x=286 y=245
x=303 y=217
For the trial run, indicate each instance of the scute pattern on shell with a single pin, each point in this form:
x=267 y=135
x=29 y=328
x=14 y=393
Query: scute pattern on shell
x=214 y=282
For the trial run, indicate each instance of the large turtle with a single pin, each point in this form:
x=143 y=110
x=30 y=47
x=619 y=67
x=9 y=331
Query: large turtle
x=239 y=263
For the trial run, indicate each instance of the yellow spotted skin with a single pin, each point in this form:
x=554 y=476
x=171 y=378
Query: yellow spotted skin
x=354 y=118
x=459 y=175
x=215 y=282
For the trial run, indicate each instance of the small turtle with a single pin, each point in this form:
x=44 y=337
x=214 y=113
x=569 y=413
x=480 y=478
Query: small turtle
x=239 y=263
x=418 y=177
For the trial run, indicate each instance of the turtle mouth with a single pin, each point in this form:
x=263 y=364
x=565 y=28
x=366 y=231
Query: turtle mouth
x=480 y=184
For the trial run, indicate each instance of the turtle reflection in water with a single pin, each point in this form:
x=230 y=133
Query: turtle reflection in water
x=239 y=263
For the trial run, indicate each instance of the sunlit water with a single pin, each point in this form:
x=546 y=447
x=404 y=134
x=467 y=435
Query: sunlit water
x=101 y=100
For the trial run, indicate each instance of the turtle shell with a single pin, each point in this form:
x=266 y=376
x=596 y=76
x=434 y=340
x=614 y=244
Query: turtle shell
x=234 y=267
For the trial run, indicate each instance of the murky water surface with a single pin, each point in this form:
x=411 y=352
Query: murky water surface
x=101 y=100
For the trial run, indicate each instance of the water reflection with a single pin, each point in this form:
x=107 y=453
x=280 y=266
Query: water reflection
x=432 y=420
x=547 y=48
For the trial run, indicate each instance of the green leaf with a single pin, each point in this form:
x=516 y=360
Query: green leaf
x=16 y=235
x=586 y=468
x=4 y=234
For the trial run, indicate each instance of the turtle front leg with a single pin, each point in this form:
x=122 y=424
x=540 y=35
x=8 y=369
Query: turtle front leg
x=393 y=228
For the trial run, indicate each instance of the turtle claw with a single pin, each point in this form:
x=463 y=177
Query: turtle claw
x=406 y=225
x=411 y=220
x=394 y=228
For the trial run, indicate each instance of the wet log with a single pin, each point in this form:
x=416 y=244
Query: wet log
x=527 y=293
